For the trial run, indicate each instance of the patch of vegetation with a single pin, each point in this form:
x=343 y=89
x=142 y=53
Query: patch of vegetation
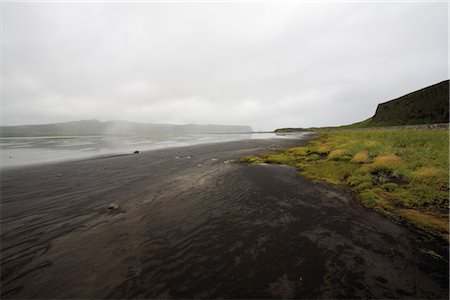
x=429 y=221
x=401 y=173
x=390 y=186
x=432 y=253
x=287 y=130
x=251 y=160
x=361 y=157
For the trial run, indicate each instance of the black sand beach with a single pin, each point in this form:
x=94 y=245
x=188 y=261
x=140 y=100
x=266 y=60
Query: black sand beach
x=190 y=223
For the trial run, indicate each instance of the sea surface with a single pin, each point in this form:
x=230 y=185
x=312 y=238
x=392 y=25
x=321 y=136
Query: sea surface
x=21 y=151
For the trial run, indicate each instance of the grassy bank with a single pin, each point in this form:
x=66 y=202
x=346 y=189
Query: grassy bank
x=400 y=173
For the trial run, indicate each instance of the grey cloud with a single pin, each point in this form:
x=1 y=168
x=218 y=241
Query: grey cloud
x=261 y=64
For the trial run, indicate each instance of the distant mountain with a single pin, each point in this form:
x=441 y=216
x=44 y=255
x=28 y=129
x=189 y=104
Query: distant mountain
x=95 y=127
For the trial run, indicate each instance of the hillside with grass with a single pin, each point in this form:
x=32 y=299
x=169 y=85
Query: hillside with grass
x=429 y=105
x=426 y=106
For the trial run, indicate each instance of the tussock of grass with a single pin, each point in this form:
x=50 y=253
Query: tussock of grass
x=396 y=172
x=369 y=199
x=277 y=159
x=366 y=185
x=355 y=180
x=390 y=186
x=336 y=154
x=361 y=157
x=330 y=171
x=251 y=160
x=371 y=144
x=426 y=221
x=299 y=151
x=428 y=175
x=387 y=161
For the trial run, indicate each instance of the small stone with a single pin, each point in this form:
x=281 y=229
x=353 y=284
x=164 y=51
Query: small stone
x=214 y=159
x=136 y=152
x=113 y=206
x=189 y=157
x=229 y=161
x=59 y=175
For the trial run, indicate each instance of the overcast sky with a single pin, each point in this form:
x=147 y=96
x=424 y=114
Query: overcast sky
x=267 y=65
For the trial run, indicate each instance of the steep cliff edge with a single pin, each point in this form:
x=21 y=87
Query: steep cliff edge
x=426 y=106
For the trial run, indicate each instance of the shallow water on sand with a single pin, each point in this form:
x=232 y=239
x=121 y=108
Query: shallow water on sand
x=20 y=151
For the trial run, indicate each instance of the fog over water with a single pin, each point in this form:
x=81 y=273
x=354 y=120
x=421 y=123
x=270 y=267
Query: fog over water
x=266 y=65
x=21 y=151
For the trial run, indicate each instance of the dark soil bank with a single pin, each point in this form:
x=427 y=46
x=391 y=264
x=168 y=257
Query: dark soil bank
x=192 y=224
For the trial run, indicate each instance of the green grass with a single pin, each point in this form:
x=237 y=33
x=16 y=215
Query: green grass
x=401 y=173
x=432 y=253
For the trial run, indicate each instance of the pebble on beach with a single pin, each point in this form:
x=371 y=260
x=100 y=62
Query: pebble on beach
x=113 y=206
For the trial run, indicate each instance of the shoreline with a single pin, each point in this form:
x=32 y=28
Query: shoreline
x=401 y=174
x=38 y=153
x=191 y=223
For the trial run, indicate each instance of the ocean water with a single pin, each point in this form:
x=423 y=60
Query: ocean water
x=21 y=151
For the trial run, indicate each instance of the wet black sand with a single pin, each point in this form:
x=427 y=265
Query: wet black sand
x=192 y=224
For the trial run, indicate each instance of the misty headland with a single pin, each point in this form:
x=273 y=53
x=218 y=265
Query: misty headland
x=34 y=144
x=96 y=127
